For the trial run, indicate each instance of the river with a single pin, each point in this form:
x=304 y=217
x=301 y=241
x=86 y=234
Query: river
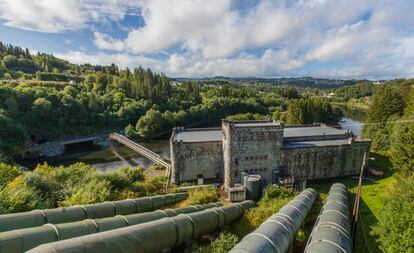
x=106 y=159
x=354 y=126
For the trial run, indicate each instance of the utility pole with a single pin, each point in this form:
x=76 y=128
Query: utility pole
x=355 y=211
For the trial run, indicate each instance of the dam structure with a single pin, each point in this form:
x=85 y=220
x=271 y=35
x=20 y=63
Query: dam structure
x=266 y=148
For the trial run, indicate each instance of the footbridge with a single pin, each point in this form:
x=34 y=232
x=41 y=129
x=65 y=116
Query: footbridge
x=154 y=157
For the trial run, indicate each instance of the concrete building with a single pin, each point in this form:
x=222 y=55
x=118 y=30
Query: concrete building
x=265 y=148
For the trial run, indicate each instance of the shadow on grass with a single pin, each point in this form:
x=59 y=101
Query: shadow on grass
x=365 y=241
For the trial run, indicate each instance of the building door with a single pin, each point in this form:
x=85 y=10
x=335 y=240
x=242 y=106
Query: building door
x=276 y=175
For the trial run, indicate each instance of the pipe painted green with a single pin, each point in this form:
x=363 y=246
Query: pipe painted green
x=80 y=212
x=20 y=240
x=154 y=236
x=332 y=231
x=277 y=233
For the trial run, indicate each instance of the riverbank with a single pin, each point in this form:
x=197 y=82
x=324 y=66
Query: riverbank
x=354 y=104
x=103 y=157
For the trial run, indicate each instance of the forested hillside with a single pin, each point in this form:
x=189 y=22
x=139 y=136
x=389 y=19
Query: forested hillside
x=43 y=98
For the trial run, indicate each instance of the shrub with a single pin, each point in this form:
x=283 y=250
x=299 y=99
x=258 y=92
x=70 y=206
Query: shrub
x=395 y=227
x=157 y=166
x=199 y=196
x=151 y=186
x=17 y=197
x=8 y=173
x=224 y=243
x=50 y=187
x=274 y=199
x=95 y=191
x=272 y=192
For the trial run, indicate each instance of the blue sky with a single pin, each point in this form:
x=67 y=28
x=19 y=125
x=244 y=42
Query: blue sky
x=198 y=38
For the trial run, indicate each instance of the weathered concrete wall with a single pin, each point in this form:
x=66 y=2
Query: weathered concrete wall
x=259 y=149
x=193 y=159
x=325 y=161
x=250 y=149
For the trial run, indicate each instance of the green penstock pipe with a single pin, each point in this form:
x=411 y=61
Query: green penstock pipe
x=276 y=234
x=332 y=230
x=20 y=240
x=154 y=236
x=81 y=212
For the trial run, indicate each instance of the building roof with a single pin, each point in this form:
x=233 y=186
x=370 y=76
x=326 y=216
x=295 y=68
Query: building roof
x=215 y=134
x=306 y=144
x=311 y=131
x=199 y=135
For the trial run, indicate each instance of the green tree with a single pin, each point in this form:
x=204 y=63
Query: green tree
x=312 y=110
x=402 y=148
x=387 y=103
x=130 y=132
x=150 y=124
x=12 y=135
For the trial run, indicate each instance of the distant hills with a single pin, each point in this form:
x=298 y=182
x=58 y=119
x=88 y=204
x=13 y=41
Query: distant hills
x=301 y=82
x=17 y=63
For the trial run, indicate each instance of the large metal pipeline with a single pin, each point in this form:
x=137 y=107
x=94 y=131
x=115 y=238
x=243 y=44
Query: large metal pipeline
x=331 y=232
x=276 y=234
x=81 y=212
x=154 y=236
x=20 y=240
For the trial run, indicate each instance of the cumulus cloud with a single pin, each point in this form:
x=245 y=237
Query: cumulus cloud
x=215 y=37
x=341 y=38
x=103 y=41
x=60 y=15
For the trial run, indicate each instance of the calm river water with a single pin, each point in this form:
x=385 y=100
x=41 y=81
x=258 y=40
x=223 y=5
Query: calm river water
x=106 y=159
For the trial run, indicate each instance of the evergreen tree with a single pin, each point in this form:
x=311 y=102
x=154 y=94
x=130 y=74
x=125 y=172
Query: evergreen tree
x=387 y=102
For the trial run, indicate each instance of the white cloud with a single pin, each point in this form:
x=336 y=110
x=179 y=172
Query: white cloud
x=60 y=15
x=103 y=41
x=341 y=38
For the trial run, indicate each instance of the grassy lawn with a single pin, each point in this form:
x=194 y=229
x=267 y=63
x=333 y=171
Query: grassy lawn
x=373 y=192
